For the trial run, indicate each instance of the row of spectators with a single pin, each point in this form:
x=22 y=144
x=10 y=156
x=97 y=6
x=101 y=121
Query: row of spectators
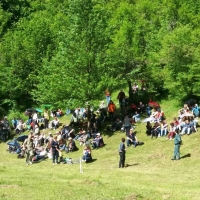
x=185 y=123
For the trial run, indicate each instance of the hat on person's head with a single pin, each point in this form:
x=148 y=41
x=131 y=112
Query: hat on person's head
x=69 y=138
x=5 y=117
x=98 y=134
x=84 y=132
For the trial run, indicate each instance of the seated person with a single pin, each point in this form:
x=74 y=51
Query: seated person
x=40 y=154
x=74 y=119
x=67 y=132
x=55 y=123
x=148 y=128
x=160 y=115
x=39 y=149
x=148 y=111
x=19 y=128
x=87 y=155
x=14 y=123
x=48 y=138
x=132 y=139
x=80 y=133
x=59 y=136
x=37 y=129
x=186 y=128
x=41 y=138
x=164 y=128
x=117 y=125
x=136 y=117
x=59 y=113
x=156 y=129
x=154 y=114
x=172 y=131
x=97 y=141
x=193 y=124
x=141 y=108
x=177 y=124
x=83 y=138
x=71 y=145
x=62 y=145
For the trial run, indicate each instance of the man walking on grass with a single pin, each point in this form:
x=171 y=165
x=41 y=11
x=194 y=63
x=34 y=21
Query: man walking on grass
x=28 y=147
x=177 y=144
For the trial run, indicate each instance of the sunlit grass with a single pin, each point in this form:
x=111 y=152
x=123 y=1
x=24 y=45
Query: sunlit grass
x=150 y=173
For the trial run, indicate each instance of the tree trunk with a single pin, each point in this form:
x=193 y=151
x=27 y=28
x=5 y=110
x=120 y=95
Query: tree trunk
x=130 y=91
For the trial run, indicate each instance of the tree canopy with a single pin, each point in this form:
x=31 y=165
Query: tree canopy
x=69 y=52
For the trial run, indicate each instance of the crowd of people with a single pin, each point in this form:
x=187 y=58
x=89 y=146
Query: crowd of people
x=185 y=123
x=85 y=125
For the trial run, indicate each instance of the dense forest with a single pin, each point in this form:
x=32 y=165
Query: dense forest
x=65 y=52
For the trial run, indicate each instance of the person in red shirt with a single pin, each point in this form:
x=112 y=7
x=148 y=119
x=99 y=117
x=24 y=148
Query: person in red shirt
x=111 y=110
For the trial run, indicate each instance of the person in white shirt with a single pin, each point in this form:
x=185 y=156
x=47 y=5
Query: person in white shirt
x=35 y=117
x=55 y=123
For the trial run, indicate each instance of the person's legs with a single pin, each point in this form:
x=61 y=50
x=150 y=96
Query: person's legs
x=183 y=130
x=53 y=156
x=120 y=160
x=134 y=143
x=123 y=159
x=27 y=157
x=46 y=123
x=56 y=156
x=128 y=143
x=127 y=129
x=176 y=152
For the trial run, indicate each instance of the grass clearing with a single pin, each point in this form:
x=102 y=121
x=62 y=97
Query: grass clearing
x=150 y=173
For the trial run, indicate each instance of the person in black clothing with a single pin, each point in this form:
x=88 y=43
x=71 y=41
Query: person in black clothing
x=121 y=97
x=55 y=150
x=122 y=152
x=132 y=139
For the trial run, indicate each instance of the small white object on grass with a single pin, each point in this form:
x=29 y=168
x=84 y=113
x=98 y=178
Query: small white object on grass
x=81 y=170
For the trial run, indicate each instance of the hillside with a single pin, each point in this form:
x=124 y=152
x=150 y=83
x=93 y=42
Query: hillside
x=150 y=173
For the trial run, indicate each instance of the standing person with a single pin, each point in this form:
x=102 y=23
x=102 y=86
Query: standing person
x=127 y=124
x=108 y=96
x=121 y=98
x=46 y=119
x=122 y=152
x=28 y=147
x=111 y=110
x=55 y=150
x=177 y=144
x=35 y=117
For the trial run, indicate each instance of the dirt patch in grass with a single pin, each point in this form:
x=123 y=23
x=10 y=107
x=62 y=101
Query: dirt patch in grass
x=9 y=186
x=131 y=197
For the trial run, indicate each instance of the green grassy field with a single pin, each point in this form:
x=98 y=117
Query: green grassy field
x=150 y=174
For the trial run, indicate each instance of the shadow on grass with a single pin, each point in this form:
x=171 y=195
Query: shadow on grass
x=186 y=156
x=93 y=160
x=130 y=165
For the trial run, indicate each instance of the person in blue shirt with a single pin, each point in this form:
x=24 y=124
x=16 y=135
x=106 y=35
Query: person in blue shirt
x=177 y=144
x=195 y=110
x=122 y=152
